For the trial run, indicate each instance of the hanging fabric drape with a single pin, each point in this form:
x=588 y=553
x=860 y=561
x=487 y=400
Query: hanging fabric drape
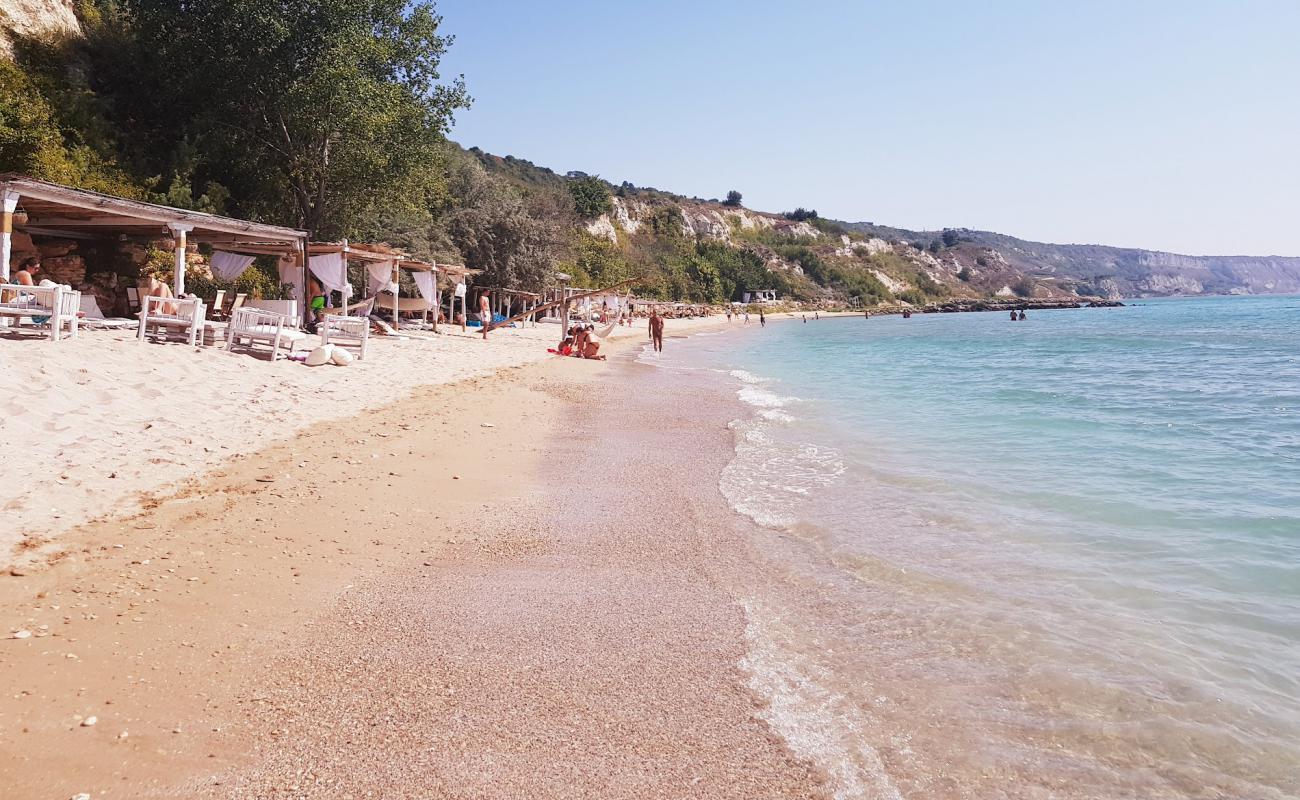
x=228 y=266
x=378 y=276
x=289 y=271
x=427 y=284
x=332 y=270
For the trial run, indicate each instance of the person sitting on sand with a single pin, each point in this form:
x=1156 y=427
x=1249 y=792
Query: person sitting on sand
x=579 y=339
x=566 y=346
x=592 y=350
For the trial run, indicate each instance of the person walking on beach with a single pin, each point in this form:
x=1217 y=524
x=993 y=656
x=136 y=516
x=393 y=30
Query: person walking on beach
x=657 y=330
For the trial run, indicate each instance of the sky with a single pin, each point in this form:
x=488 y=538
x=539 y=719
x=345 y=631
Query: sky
x=1164 y=125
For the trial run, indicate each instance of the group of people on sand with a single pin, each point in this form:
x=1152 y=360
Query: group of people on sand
x=580 y=342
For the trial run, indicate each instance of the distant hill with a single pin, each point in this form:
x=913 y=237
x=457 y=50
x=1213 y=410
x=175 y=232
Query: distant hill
x=1114 y=271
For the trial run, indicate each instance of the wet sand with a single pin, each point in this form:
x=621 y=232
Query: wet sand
x=409 y=604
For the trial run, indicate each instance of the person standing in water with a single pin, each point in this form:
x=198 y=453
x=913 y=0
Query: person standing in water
x=657 y=330
x=1022 y=315
x=1013 y=315
x=762 y=320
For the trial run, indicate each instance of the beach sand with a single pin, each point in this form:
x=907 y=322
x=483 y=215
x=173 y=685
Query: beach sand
x=88 y=424
x=503 y=587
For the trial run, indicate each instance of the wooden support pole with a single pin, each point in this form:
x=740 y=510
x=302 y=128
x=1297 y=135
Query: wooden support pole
x=8 y=205
x=178 y=278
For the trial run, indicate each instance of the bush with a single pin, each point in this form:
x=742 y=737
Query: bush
x=590 y=196
x=965 y=274
x=1025 y=287
x=800 y=215
x=914 y=296
x=930 y=286
x=733 y=199
x=950 y=237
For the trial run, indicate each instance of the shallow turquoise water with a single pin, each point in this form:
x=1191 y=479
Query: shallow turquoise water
x=1119 y=488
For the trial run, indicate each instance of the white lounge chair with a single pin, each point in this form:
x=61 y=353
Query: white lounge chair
x=190 y=317
x=59 y=304
x=266 y=327
x=339 y=331
x=93 y=317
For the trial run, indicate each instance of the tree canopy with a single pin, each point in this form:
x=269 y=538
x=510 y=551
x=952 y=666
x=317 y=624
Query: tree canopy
x=733 y=199
x=316 y=110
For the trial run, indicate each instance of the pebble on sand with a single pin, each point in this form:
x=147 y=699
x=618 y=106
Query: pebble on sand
x=21 y=635
x=89 y=722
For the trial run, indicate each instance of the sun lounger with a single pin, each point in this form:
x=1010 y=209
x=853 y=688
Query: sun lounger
x=92 y=317
x=238 y=304
x=255 y=326
x=58 y=304
x=339 y=331
x=218 y=307
x=189 y=317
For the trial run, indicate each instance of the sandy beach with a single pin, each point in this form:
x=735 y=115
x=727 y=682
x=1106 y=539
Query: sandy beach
x=95 y=421
x=464 y=590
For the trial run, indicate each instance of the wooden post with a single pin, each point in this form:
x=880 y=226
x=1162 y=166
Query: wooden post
x=178 y=278
x=8 y=205
x=347 y=287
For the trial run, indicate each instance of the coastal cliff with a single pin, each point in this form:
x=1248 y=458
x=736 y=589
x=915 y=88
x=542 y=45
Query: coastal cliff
x=35 y=19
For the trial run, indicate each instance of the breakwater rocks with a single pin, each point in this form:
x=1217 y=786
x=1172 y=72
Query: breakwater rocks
x=957 y=306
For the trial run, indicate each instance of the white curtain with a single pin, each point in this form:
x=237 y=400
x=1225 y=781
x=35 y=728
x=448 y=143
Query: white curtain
x=332 y=270
x=288 y=269
x=425 y=282
x=380 y=274
x=228 y=266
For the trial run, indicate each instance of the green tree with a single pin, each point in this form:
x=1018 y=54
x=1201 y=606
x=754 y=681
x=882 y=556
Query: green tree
x=951 y=237
x=733 y=199
x=590 y=196
x=517 y=241
x=322 y=111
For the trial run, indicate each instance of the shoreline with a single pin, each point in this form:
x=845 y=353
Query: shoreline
x=237 y=629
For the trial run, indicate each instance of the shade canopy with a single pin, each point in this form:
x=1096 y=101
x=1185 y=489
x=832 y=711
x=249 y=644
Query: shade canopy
x=52 y=209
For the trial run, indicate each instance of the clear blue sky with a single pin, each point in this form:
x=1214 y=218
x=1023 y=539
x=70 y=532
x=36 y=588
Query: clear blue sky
x=1166 y=125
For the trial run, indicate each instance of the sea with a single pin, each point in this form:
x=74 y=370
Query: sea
x=1057 y=557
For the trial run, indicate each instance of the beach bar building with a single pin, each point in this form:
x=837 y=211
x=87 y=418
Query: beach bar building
x=760 y=296
x=97 y=225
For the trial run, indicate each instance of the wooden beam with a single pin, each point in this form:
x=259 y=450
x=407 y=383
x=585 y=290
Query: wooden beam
x=565 y=301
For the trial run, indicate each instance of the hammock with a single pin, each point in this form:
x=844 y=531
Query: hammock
x=604 y=332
